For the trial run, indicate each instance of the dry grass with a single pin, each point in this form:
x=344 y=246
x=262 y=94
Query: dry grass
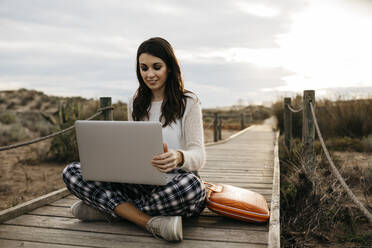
x=345 y=124
x=315 y=210
x=314 y=207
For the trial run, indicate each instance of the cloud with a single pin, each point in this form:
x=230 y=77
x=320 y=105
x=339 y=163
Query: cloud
x=88 y=47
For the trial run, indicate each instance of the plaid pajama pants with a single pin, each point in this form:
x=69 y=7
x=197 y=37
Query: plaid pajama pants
x=184 y=195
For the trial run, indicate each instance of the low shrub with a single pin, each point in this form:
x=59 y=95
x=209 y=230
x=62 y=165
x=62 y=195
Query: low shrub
x=120 y=111
x=7 y=117
x=367 y=143
x=341 y=118
x=64 y=147
x=341 y=144
x=26 y=99
x=11 y=134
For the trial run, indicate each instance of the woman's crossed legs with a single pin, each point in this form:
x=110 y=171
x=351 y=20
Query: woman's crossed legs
x=183 y=196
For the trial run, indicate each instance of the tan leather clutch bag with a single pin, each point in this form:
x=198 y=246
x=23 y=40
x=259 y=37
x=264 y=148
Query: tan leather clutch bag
x=237 y=203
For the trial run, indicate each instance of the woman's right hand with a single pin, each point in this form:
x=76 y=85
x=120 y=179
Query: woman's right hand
x=168 y=160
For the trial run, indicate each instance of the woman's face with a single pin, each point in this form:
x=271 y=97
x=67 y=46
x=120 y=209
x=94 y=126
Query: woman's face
x=153 y=71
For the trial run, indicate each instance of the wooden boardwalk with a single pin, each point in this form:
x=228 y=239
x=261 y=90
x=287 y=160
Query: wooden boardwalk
x=246 y=160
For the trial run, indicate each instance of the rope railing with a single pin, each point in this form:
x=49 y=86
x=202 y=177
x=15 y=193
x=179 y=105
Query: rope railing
x=9 y=147
x=295 y=110
x=309 y=126
x=336 y=172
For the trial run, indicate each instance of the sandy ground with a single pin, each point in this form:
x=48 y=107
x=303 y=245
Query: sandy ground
x=23 y=178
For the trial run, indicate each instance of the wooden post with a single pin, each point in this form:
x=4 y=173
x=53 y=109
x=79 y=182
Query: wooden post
x=242 y=121
x=215 y=130
x=219 y=127
x=247 y=118
x=308 y=129
x=107 y=114
x=287 y=123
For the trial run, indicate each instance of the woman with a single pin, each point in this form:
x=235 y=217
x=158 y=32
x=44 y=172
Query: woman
x=158 y=209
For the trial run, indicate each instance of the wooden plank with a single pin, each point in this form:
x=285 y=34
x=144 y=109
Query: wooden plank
x=241 y=165
x=71 y=196
x=68 y=202
x=222 y=222
x=252 y=176
x=63 y=203
x=227 y=180
x=127 y=228
x=241 y=152
x=52 y=211
x=274 y=229
x=101 y=239
x=215 y=221
x=232 y=180
x=20 y=209
x=25 y=244
x=233 y=171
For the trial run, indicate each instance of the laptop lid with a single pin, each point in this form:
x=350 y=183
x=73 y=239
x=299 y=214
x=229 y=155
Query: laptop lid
x=120 y=151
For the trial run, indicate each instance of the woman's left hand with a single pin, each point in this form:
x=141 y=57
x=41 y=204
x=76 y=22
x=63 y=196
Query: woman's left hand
x=166 y=161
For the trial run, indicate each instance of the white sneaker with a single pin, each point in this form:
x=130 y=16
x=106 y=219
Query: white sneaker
x=166 y=227
x=83 y=212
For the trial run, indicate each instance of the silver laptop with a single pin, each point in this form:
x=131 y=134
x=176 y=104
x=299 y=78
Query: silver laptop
x=120 y=151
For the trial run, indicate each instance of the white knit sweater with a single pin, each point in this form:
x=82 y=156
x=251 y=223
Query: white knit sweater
x=192 y=138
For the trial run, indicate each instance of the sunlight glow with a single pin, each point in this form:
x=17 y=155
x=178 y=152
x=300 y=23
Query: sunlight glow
x=328 y=46
x=257 y=9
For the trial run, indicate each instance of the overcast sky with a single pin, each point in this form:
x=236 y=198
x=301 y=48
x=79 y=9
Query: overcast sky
x=256 y=50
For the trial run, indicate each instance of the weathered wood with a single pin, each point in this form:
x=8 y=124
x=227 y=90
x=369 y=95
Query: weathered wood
x=242 y=121
x=20 y=209
x=68 y=202
x=245 y=160
x=228 y=180
x=287 y=123
x=226 y=172
x=107 y=114
x=216 y=221
x=25 y=244
x=215 y=127
x=52 y=211
x=126 y=228
x=62 y=203
x=219 y=128
x=308 y=129
x=274 y=229
x=71 y=196
x=101 y=239
x=255 y=174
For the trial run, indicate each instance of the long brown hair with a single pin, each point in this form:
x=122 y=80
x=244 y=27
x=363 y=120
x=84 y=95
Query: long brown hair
x=174 y=102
